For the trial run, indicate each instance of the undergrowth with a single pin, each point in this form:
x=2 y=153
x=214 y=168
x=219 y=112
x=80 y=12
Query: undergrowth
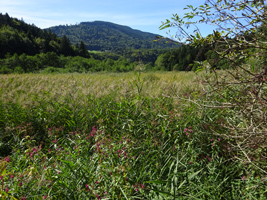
x=139 y=147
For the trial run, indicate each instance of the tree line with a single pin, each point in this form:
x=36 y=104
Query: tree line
x=26 y=48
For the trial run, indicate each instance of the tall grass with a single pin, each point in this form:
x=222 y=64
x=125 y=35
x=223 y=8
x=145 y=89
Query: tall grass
x=98 y=136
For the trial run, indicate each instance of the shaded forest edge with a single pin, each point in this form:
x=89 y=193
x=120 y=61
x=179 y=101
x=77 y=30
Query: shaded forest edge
x=28 y=49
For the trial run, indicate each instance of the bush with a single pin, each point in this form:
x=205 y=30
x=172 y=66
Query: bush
x=5 y=70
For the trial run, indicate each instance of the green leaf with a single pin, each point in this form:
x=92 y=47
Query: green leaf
x=156 y=182
x=123 y=193
x=194 y=174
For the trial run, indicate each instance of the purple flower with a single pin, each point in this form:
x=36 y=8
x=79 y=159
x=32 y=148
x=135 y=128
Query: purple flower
x=6 y=189
x=7 y=159
x=219 y=139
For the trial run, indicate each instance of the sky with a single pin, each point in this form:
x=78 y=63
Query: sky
x=144 y=15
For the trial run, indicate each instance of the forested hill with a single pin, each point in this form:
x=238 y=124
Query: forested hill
x=18 y=37
x=102 y=36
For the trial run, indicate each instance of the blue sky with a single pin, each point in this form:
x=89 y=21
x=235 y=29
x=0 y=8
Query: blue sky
x=144 y=15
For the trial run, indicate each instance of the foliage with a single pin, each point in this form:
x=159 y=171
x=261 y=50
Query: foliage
x=181 y=58
x=240 y=37
x=52 y=63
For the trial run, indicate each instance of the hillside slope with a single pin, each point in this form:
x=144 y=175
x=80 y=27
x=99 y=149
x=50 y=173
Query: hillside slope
x=99 y=35
x=18 y=37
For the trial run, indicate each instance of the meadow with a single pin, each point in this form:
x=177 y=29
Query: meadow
x=129 y=135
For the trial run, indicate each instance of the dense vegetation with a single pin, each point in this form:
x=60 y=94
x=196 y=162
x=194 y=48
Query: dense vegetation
x=143 y=135
x=104 y=36
x=18 y=37
x=52 y=63
x=27 y=48
x=118 y=136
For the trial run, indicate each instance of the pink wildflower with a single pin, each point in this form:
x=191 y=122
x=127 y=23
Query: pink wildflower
x=7 y=159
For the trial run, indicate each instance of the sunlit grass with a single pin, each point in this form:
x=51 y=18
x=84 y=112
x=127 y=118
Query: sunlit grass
x=114 y=136
x=23 y=88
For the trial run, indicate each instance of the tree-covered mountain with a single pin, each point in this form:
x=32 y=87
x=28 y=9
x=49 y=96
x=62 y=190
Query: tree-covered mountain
x=27 y=48
x=18 y=37
x=99 y=35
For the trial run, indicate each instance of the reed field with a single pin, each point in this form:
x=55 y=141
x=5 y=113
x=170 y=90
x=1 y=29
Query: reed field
x=136 y=135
